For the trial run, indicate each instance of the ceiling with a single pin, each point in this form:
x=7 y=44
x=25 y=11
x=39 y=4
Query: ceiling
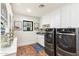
x=21 y=8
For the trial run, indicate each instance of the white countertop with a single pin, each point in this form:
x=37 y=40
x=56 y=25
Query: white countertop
x=9 y=50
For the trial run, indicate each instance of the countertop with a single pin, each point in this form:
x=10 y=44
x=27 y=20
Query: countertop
x=40 y=33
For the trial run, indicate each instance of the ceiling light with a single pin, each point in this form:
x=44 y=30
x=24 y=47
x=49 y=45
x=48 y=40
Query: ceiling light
x=41 y=6
x=28 y=10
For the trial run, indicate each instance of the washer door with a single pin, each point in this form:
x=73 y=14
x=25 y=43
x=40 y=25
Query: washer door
x=49 y=37
x=67 y=42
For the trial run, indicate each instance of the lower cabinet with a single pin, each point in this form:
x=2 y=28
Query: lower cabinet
x=40 y=39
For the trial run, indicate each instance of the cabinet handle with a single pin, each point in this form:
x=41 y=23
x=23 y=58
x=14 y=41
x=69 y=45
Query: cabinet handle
x=67 y=33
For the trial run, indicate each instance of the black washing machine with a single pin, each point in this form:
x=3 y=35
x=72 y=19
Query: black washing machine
x=50 y=42
x=67 y=42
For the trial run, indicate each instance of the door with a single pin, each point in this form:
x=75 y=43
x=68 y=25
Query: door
x=67 y=42
x=6 y=29
x=49 y=37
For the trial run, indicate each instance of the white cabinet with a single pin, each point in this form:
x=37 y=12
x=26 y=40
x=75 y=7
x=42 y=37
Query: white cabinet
x=52 y=18
x=65 y=16
x=40 y=39
x=55 y=19
x=69 y=15
x=75 y=15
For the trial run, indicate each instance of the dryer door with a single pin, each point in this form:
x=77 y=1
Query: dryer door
x=67 y=42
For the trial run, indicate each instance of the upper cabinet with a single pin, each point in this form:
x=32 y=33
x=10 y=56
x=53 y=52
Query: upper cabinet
x=65 y=16
x=69 y=15
x=53 y=19
x=75 y=15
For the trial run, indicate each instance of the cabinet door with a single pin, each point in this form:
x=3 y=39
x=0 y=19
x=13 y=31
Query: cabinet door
x=65 y=15
x=70 y=15
x=40 y=39
x=75 y=15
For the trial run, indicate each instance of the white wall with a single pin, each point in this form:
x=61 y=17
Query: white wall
x=52 y=18
x=26 y=37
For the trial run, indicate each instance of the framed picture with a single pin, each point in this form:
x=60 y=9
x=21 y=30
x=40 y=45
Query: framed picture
x=27 y=25
x=36 y=26
x=17 y=25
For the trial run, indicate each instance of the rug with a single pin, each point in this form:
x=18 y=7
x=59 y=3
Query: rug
x=31 y=50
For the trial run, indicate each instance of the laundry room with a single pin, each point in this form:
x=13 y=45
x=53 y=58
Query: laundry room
x=39 y=29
